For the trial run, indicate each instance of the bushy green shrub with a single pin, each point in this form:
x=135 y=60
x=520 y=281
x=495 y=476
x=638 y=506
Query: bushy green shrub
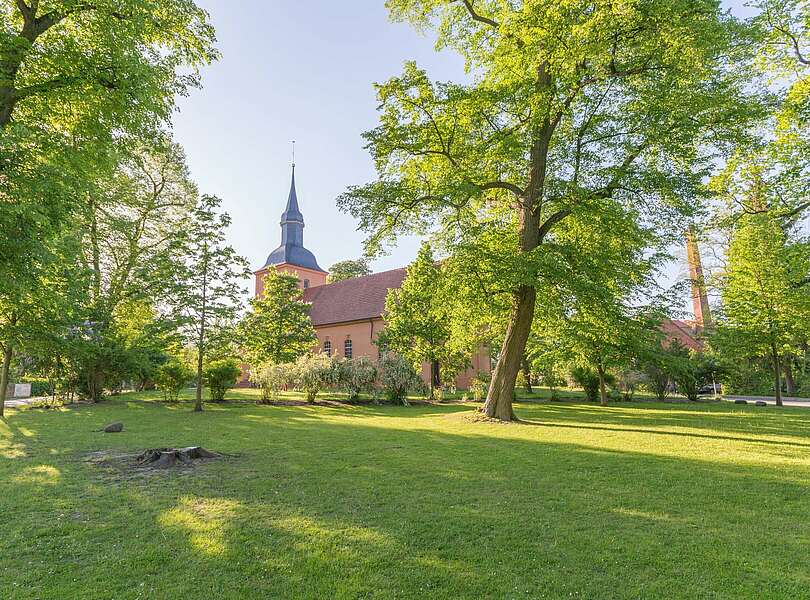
x=272 y=378
x=312 y=373
x=355 y=376
x=39 y=386
x=398 y=377
x=588 y=380
x=171 y=377
x=219 y=376
x=479 y=386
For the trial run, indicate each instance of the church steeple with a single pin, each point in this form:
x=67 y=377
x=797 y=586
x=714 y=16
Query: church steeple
x=292 y=251
x=292 y=221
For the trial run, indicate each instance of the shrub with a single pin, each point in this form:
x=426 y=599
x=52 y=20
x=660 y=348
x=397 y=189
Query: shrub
x=398 y=377
x=272 y=378
x=588 y=380
x=219 y=376
x=312 y=373
x=355 y=376
x=39 y=386
x=479 y=386
x=171 y=377
x=628 y=381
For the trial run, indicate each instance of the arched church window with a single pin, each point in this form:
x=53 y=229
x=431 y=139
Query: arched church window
x=347 y=349
x=327 y=348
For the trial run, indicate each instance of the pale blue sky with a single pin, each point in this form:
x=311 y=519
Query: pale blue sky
x=302 y=70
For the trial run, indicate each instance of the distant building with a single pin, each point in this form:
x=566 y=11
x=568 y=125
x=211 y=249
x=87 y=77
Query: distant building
x=347 y=315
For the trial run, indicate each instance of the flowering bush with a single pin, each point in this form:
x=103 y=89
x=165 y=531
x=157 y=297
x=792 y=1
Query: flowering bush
x=312 y=373
x=398 y=377
x=355 y=376
x=272 y=378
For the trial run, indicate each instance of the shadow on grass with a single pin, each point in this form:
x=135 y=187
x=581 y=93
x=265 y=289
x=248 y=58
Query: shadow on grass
x=322 y=503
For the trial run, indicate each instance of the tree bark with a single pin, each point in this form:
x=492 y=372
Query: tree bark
x=527 y=374
x=777 y=379
x=501 y=390
x=7 y=353
x=790 y=383
x=602 y=391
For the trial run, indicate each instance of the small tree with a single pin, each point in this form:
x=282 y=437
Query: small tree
x=312 y=373
x=171 y=377
x=219 y=376
x=398 y=377
x=348 y=269
x=277 y=328
x=416 y=324
x=206 y=288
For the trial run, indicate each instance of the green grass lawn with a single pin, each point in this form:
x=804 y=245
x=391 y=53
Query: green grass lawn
x=630 y=501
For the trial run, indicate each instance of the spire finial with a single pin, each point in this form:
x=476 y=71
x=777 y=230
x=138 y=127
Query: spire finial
x=293 y=155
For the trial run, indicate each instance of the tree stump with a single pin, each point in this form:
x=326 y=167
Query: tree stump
x=163 y=458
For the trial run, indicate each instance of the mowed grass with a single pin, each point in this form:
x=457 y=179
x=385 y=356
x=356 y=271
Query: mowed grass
x=629 y=501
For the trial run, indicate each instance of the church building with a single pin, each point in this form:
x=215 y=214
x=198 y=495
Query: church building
x=347 y=315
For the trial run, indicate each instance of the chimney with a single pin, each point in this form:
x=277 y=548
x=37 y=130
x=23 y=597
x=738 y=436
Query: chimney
x=700 y=299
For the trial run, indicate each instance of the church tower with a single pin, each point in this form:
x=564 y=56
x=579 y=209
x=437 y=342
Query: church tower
x=291 y=256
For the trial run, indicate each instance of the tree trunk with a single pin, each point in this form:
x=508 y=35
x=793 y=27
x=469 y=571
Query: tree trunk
x=435 y=376
x=7 y=352
x=602 y=392
x=790 y=384
x=527 y=375
x=198 y=406
x=501 y=390
x=777 y=379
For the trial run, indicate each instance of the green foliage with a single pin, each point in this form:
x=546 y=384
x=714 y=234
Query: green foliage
x=312 y=373
x=171 y=377
x=397 y=377
x=578 y=118
x=348 y=269
x=479 y=386
x=588 y=380
x=691 y=370
x=277 y=328
x=206 y=279
x=219 y=376
x=417 y=319
x=272 y=378
x=356 y=375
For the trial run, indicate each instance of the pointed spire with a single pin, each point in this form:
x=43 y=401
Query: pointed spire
x=292 y=213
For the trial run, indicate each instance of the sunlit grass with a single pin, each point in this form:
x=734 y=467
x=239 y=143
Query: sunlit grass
x=629 y=501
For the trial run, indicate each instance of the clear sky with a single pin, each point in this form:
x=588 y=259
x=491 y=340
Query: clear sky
x=298 y=70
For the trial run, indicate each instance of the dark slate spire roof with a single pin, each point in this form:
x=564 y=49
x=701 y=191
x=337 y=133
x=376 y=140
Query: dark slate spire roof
x=291 y=250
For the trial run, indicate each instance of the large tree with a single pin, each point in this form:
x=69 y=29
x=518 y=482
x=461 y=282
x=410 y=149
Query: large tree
x=572 y=108
x=277 y=329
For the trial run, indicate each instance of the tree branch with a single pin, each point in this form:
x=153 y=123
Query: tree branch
x=476 y=16
x=502 y=185
x=551 y=222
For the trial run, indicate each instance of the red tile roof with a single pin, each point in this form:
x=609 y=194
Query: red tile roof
x=354 y=299
x=686 y=333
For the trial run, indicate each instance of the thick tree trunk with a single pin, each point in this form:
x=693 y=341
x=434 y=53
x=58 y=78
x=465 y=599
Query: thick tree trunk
x=602 y=391
x=527 y=374
x=790 y=383
x=777 y=372
x=501 y=390
x=435 y=376
x=7 y=353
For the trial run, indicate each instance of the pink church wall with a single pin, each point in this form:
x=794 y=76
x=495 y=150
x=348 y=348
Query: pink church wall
x=314 y=278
